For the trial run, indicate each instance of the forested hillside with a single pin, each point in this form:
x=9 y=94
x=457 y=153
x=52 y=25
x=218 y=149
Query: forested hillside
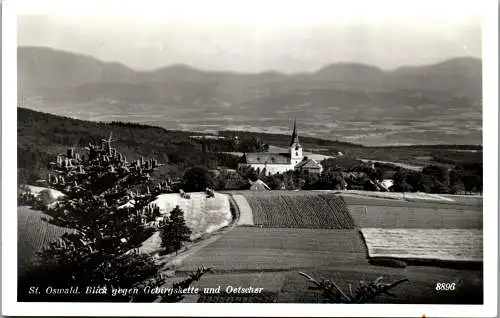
x=41 y=136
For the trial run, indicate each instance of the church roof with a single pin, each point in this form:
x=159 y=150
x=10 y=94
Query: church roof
x=266 y=158
x=308 y=164
x=295 y=136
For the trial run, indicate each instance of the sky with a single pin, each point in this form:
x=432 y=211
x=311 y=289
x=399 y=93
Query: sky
x=254 y=36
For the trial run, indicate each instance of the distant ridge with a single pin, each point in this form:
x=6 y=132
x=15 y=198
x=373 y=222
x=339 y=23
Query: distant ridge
x=457 y=60
x=447 y=92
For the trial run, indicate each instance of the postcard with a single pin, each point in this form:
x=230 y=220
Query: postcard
x=250 y=158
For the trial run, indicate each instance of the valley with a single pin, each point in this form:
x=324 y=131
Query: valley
x=431 y=104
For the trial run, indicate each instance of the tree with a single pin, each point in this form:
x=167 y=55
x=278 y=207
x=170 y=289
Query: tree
x=174 y=231
x=441 y=174
x=400 y=183
x=248 y=172
x=198 y=179
x=107 y=204
x=456 y=183
x=45 y=197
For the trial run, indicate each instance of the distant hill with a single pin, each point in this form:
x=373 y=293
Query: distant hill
x=42 y=69
x=82 y=86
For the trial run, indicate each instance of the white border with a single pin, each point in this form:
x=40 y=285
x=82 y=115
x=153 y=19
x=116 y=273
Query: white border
x=9 y=178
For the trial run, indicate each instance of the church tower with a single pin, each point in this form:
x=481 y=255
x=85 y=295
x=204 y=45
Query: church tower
x=295 y=147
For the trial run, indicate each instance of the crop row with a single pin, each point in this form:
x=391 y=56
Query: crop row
x=300 y=211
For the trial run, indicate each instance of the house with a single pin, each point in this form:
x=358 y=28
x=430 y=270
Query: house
x=258 y=185
x=272 y=163
x=308 y=165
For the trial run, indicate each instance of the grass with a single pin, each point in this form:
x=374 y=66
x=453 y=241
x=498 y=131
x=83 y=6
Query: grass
x=274 y=249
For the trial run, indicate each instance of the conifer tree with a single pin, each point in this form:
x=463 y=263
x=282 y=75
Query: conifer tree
x=107 y=206
x=175 y=231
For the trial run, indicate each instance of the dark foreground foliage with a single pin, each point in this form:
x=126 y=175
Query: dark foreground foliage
x=107 y=204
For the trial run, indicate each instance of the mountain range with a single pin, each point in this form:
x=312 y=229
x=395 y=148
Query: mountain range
x=67 y=83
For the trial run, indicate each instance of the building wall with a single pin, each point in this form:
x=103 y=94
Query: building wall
x=296 y=154
x=270 y=168
x=311 y=170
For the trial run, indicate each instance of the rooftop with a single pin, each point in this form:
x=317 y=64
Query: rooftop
x=266 y=158
x=308 y=164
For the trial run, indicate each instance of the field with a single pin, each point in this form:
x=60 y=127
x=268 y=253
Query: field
x=450 y=201
x=425 y=244
x=203 y=215
x=318 y=209
x=400 y=214
x=288 y=237
x=270 y=258
x=407 y=196
x=299 y=210
x=33 y=234
x=271 y=249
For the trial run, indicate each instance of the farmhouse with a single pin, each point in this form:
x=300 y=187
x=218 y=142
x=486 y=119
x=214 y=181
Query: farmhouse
x=273 y=163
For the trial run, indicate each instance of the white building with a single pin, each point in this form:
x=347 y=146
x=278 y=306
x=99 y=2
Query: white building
x=276 y=162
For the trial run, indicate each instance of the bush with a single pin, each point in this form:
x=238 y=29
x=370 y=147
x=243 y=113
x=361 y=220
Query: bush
x=45 y=197
x=198 y=179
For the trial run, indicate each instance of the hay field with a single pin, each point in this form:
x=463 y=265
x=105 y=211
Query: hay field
x=425 y=244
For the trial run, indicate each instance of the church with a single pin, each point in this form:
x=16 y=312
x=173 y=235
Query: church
x=281 y=162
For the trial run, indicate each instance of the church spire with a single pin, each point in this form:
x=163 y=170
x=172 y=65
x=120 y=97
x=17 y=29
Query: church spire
x=295 y=137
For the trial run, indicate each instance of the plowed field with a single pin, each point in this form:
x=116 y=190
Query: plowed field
x=299 y=210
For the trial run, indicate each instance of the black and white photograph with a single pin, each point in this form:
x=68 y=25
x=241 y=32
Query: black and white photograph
x=300 y=152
